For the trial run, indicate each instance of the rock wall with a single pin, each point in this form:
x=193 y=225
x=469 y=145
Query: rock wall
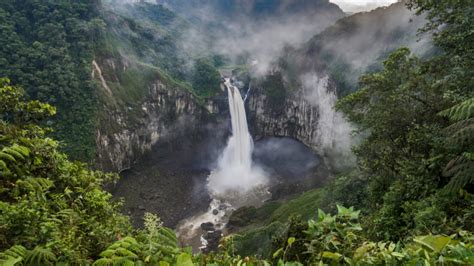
x=298 y=118
x=125 y=133
x=307 y=114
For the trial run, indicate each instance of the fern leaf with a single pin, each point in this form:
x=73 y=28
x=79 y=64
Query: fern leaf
x=453 y=128
x=461 y=111
x=16 y=251
x=12 y=256
x=167 y=238
x=103 y=262
x=35 y=184
x=7 y=157
x=169 y=234
x=3 y=165
x=108 y=253
x=40 y=256
x=130 y=240
x=14 y=153
x=462 y=138
x=21 y=149
x=461 y=171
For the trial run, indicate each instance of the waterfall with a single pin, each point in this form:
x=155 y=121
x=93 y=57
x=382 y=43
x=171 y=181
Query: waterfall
x=240 y=144
x=235 y=172
x=235 y=182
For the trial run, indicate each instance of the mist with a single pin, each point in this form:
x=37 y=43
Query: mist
x=334 y=133
x=285 y=157
x=367 y=42
x=245 y=36
x=352 y=6
x=265 y=40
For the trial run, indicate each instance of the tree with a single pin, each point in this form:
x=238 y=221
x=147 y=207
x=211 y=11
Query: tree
x=452 y=26
x=409 y=154
x=206 y=79
x=64 y=212
x=46 y=48
x=460 y=140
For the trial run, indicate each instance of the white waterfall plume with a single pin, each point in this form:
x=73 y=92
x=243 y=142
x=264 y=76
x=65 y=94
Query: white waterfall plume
x=334 y=131
x=235 y=182
x=235 y=173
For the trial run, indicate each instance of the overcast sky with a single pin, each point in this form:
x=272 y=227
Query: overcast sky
x=361 y=5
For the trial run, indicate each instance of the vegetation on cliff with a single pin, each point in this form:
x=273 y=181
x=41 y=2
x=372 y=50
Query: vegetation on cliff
x=47 y=48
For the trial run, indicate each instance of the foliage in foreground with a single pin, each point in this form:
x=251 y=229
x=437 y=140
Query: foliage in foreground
x=339 y=239
x=415 y=163
x=49 y=205
x=327 y=240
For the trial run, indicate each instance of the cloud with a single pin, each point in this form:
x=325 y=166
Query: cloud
x=241 y=32
x=362 y=40
x=265 y=40
x=334 y=132
x=353 y=6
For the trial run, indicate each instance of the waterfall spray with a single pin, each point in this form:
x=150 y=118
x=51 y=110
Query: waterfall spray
x=235 y=172
x=236 y=181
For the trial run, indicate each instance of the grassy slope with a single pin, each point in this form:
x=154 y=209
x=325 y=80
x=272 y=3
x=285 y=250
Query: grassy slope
x=270 y=221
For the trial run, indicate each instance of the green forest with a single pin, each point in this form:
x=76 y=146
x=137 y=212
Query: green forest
x=409 y=200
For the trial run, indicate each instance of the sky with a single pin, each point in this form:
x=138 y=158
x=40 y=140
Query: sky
x=361 y=5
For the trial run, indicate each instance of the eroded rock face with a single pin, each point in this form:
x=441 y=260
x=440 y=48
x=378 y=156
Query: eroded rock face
x=297 y=115
x=306 y=113
x=297 y=118
x=125 y=133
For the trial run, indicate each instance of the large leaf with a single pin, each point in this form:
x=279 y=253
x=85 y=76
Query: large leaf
x=184 y=259
x=434 y=243
x=330 y=255
x=11 y=261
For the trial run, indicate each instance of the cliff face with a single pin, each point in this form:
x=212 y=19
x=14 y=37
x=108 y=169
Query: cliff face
x=165 y=113
x=306 y=113
x=297 y=118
